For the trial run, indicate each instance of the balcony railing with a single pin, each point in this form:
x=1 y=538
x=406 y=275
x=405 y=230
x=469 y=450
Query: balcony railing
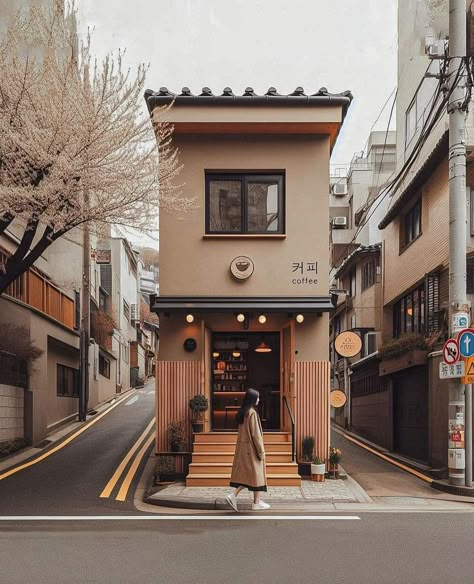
x=34 y=290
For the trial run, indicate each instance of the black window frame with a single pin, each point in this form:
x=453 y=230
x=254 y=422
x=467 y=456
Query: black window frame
x=369 y=274
x=104 y=361
x=244 y=178
x=407 y=225
x=405 y=323
x=67 y=381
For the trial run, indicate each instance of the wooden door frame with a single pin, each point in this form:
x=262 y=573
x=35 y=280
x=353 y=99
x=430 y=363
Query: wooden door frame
x=287 y=379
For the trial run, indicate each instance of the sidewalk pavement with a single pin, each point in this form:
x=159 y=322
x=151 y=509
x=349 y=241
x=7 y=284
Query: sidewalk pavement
x=329 y=496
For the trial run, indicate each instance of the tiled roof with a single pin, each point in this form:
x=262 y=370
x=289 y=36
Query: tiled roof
x=227 y=97
x=362 y=249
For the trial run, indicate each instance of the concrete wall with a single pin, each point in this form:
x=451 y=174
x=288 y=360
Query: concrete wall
x=12 y=402
x=191 y=264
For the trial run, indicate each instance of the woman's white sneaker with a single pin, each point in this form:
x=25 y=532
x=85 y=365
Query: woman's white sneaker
x=232 y=500
x=260 y=506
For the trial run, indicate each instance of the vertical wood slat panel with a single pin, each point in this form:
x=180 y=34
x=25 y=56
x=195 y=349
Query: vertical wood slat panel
x=312 y=412
x=176 y=383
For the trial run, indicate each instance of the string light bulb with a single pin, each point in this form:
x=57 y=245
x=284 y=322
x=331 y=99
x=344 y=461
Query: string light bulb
x=189 y=318
x=299 y=318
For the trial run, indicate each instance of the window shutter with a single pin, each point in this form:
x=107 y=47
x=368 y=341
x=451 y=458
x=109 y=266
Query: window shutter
x=432 y=303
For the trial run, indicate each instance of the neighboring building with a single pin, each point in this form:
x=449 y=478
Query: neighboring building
x=357 y=263
x=244 y=291
x=400 y=403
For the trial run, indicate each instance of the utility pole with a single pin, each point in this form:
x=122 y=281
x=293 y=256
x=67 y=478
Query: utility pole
x=457 y=219
x=85 y=316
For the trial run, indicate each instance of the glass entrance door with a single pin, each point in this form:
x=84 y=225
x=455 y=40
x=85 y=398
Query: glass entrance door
x=240 y=361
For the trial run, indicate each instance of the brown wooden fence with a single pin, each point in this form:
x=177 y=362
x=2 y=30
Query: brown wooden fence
x=176 y=383
x=312 y=404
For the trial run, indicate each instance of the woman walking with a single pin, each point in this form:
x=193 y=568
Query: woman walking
x=248 y=470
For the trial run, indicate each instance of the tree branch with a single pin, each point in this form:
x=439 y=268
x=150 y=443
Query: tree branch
x=25 y=243
x=5 y=221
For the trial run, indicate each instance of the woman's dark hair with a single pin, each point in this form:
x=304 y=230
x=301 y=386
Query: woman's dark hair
x=250 y=400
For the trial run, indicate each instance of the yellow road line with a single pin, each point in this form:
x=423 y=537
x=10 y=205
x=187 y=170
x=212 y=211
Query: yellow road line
x=122 y=494
x=118 y=473
x=387 y=458
x=16 y=469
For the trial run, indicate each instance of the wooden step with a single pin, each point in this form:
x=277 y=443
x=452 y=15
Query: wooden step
x=230 y=447
x=222 y=480
x=224 y=467
x=201 y=457
x=216 y=437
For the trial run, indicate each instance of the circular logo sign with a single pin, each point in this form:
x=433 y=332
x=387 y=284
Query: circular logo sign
x=348 y=344
x=189 y=345
x=338 y=398
x=241 y=267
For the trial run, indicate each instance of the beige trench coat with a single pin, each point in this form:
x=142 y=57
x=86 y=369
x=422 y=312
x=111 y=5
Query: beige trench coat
x=249 y=460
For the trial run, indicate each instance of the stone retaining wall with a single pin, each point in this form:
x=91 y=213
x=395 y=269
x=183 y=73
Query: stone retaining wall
x=11 y=412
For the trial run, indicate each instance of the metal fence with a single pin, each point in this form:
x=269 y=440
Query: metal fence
x=13 y=371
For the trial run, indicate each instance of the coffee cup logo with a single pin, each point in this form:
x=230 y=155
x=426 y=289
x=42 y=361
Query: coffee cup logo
x=241 y=267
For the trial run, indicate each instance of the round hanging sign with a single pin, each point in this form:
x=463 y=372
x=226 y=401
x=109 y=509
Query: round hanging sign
x=189 y=345
x=241 y=267
x=338 y=398
x=348 y=344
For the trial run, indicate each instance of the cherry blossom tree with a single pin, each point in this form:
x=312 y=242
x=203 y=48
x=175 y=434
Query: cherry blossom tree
x=76 y=144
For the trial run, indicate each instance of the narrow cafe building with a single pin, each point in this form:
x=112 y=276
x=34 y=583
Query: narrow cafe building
x=244 y=292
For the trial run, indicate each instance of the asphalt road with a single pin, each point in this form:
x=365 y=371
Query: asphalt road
x=378 y=477
x=380 y=548
x=71 y=480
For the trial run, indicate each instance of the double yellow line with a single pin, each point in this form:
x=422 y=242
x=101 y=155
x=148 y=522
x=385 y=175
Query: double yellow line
x=145 y=439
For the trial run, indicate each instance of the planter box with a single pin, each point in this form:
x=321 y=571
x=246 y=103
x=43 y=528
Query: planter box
x=409 y=359
x=318 y=472
x=304 y=469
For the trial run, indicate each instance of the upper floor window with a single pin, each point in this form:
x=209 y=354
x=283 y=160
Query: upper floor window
x=67 y=381
x=410 y=225
x=352 y=283
x=410 y=122
x=126 y=310
x=369 y=273
x=244 y=203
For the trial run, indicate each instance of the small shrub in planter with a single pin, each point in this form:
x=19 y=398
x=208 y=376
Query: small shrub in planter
x=335 y=455
x=398 y=347
x=165 y=469
x=307 y=448
x=198 y=405
x=318 y=469
x=177 y=436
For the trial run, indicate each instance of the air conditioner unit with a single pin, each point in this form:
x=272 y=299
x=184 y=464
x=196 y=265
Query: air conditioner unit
x=339 y=221
x=371 y=343
x=339 y=189
x=134 y=312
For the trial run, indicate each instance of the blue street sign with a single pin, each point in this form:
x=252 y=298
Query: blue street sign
x=466 y=343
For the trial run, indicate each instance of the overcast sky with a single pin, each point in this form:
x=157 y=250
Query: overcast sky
x=338 y=44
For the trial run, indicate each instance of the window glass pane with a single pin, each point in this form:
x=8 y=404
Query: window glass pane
x=422 y=310
x=409 y=311
x=416 y=220
x=416 y=311
x=262 y=206
x=403 y=316
x=225 y=205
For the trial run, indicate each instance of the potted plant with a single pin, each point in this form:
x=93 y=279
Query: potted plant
x=318 y=469
x=198 y=405
x=335 y=456
x=165 y=469
x=307 y=448
x=177 y=436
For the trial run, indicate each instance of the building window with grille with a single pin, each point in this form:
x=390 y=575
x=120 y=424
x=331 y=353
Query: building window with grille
x=104 y=366
x=67 y=381
x=244 y=204
x=369 y=273
x=410 y=225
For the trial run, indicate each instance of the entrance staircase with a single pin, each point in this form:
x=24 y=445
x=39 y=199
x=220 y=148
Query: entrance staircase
x=213 y=453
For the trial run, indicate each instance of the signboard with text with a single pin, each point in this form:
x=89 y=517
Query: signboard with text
x=447 y=371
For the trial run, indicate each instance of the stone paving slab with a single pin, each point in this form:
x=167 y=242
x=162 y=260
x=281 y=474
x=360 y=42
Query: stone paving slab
x=330 y=491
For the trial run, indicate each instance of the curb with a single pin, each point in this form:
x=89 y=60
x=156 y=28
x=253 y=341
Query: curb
x=453 y=489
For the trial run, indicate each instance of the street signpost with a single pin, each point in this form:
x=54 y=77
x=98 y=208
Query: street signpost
x=451 y=351
x=469 y=371
x=451 y=371
x=466 y=343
